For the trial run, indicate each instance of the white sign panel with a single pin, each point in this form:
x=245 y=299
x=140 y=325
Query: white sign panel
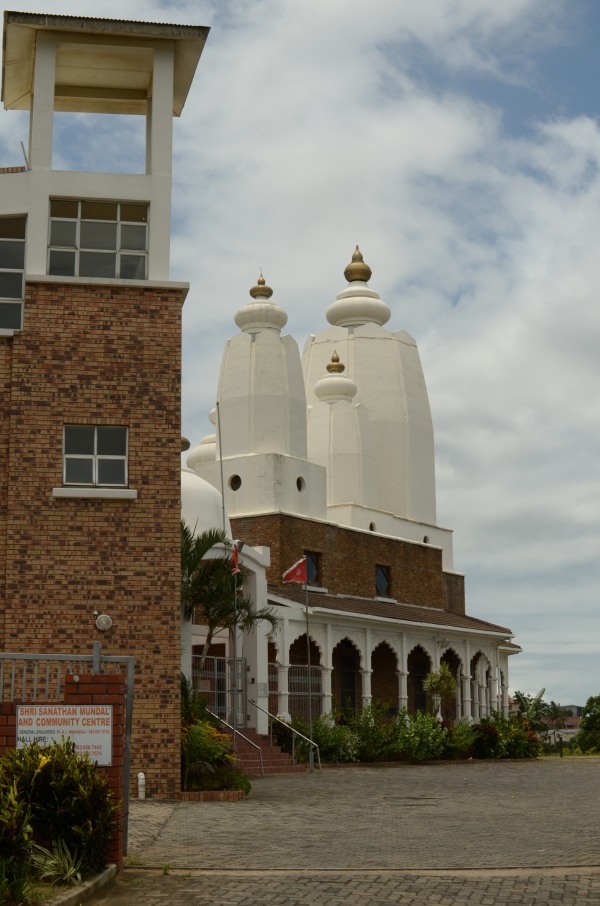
x=88 y=726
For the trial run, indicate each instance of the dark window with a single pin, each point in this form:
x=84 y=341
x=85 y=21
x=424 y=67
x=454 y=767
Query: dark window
x=95 y=455
x=382 y=581
x=98 y=239
x=12 y=272
x=313 y=567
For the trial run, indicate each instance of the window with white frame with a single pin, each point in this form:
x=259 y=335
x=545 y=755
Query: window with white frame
x=12 y=272
x=98 y=239
x=95 y=456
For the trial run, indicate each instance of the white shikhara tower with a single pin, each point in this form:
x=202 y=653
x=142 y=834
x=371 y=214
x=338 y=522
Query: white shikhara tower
x=261 y=420
x=345 y=435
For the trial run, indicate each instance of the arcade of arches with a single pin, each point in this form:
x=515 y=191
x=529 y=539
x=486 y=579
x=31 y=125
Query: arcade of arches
x=346 y=683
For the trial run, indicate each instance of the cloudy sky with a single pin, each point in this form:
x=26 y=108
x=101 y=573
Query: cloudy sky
x=458 y=142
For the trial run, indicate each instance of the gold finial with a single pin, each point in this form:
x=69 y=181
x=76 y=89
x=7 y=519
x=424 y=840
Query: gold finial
x=261 y=290
x=335 y=366
x=357 y=269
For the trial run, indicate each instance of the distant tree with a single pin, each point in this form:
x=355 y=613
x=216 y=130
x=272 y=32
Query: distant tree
x=440 y=685
x=589 y=728
x=533 y=709
x=556 y=715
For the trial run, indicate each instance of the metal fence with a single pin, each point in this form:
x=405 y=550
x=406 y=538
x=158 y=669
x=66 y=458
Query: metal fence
x=300 y=687
x=222 y=688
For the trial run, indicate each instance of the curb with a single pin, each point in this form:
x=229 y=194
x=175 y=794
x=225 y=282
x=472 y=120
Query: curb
x=85 y=891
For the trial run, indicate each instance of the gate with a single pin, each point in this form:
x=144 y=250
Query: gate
x=223 y=688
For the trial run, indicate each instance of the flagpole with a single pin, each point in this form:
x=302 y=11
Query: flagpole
x=310 y=727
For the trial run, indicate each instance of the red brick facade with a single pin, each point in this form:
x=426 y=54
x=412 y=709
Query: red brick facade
x=97 y=355
x=349 y=558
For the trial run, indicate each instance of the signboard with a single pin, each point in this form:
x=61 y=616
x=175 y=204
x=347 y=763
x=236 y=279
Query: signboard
x=88 y=726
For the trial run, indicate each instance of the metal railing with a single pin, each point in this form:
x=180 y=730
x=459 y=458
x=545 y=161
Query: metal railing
x=236 y=732
x=293 y=731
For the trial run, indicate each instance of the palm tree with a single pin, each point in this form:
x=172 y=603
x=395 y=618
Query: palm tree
x=533 y=709
x=440 y=685
x=209 y=594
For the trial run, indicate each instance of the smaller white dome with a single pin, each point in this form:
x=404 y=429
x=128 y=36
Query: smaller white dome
x=358 y=304
x=201 y=504
x=261 y=314
x=336 y=386
x=205 y=451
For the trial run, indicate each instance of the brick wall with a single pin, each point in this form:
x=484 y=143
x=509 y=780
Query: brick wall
x=101 y=689
x=98 y=354
x=349 y=558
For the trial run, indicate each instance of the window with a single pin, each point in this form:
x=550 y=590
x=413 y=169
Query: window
x=12 y=271
x=98 y=239
x=95 y=456
x=313 y=567
x=382 y=581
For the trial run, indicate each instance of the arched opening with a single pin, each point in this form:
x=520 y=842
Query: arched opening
x=346 y=681
x=419 y=665
x=384 y=677
x=300 y=683
x=451 y=709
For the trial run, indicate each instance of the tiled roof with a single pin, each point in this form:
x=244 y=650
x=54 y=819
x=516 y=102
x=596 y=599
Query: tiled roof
x=404 y=613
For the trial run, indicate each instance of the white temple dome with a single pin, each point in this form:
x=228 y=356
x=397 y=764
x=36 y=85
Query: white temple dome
x=201 y=504
x=336 y=386
x=261 y=314
x=358 y=304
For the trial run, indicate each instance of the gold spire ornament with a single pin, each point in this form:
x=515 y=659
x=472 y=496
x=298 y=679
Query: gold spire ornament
x=261 y=290
x=357 y=269
x=335 y=366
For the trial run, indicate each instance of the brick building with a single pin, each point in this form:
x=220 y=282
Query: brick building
x=330 y=456
x=90 y=364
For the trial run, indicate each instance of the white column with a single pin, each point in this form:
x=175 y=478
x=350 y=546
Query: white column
x=366 y=687
x=467 y=705
x=402 y=689
x=504 y=696
x=160 y=111
x=475 y=705
x=326 y=690
x=282 y=683
x=42 y=107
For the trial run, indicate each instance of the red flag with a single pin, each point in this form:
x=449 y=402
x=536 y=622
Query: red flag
x=234 y=560
x=297 y=572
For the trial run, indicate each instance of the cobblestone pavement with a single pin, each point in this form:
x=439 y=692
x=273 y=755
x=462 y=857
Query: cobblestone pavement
x=452 y=834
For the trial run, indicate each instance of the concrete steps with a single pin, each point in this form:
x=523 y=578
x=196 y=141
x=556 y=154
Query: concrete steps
x=274 y=760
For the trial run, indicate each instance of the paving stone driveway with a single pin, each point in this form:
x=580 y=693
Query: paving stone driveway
x=460 y=834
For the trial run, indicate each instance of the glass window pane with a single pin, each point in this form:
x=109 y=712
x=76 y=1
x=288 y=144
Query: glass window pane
x=11 y=285
x=60 y=207
x=11 y=315
x=12 y=254
x=133 y=237
x=62 y=264
x=79 y=471
x=97 y=264
x=112 y=441
x=98 y=210
x=136 y=213
x=63 y=232
x=98 y=235
x=79 y=439
x=12 y=227
x=111 y=471
x=133 y=267
x=382 y=581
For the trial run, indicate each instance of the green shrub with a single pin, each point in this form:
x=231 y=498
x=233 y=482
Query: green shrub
x=15 y=840
x=375 y=733
x=460 y=739
x=207 y=760
x=419 y=737
x=68 y=800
